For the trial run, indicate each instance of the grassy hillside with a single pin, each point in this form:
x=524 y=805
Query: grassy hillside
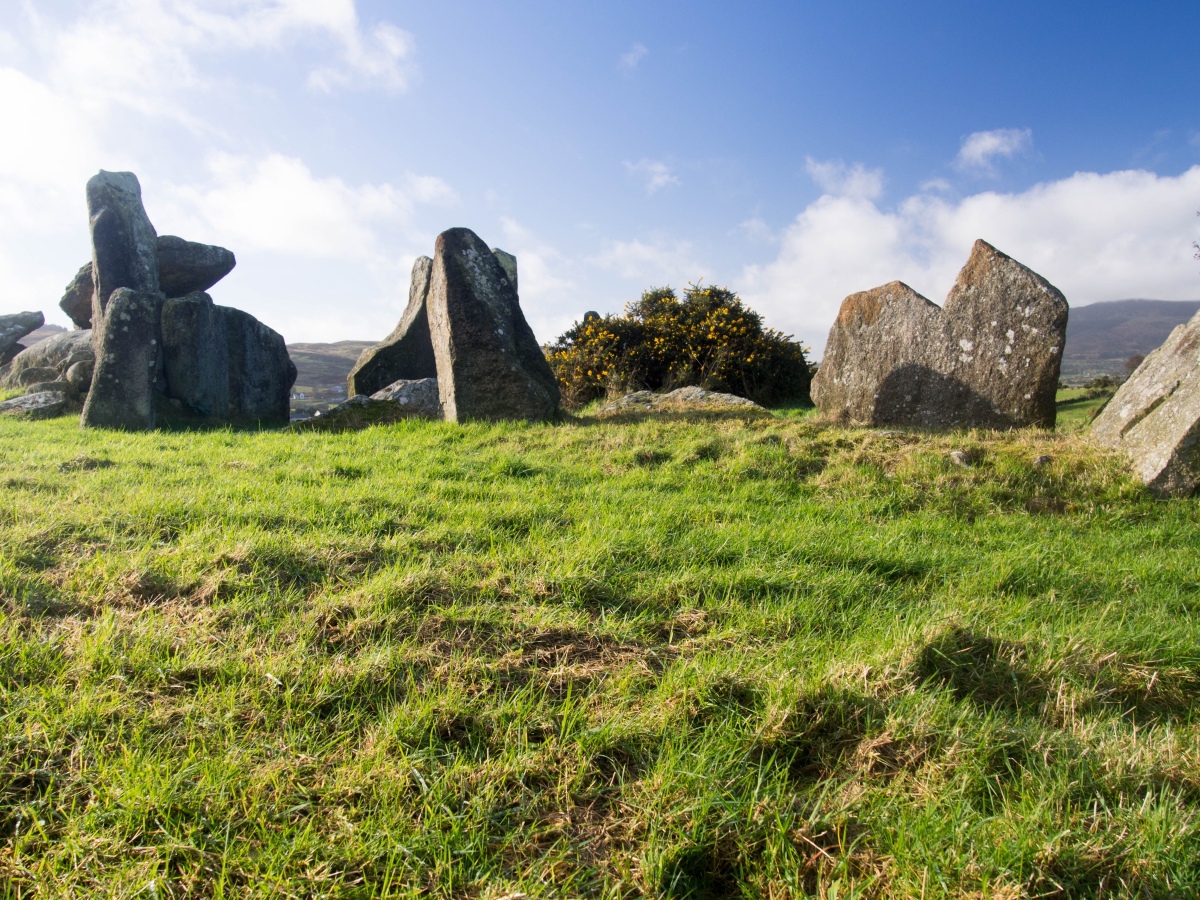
x=321 y=371
x=1101 y=336
x=677 y=657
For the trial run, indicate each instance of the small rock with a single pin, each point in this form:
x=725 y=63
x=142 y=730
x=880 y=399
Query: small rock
x=690 y=397
x=419 y=396
x=62 y=387
x=1042 y=461
x=80 y=375
x=45 y=405
x=37 y=375
x=960 y=458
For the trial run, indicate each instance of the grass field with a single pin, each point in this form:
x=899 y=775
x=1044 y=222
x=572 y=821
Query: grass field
x=678 y=657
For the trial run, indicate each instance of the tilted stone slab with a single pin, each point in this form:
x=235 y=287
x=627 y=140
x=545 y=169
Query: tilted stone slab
x=196 y=354
x=13 y=328
x=1155 y=415
x=406 y=353
x=989 y=358
x=124 y=243
x=45 y=405
x=489 y=364
x=261 y=373
x=186 y=266
x=127 y=352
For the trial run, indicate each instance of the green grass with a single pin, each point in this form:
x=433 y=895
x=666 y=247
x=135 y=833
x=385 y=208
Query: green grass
x=676 y=657
x=1077 y=407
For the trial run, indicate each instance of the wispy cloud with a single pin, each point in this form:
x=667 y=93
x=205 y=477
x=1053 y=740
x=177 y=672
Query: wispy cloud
x=630 y=58
x=840 y=180
x=658 y=260
x=980 y=150
x=654 y=173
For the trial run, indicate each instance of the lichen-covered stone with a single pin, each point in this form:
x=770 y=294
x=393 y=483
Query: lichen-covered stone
x=58 y=353
x=1155 y=416
x=185 y=267
x=124 y=243
x=406 y=353
x=989 y=358
x=419 y=397
x=261 y=373
x=127 y=352
x=681 y=399
x=508 y=263
x=45 y=405
x=196 y=354
x=489 y=364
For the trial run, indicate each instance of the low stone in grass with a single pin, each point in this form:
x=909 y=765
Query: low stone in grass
x=44 y=405
x=62 y=387
x=684 y=398
x=420 y=396
x=403 y=400
x=1155 y=416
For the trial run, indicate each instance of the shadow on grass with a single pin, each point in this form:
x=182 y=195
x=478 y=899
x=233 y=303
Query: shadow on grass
x=989 y=673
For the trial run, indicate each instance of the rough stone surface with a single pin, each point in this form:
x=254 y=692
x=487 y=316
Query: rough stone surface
x=261 y=373
x=406 y=353
x=989 y=358
x=489 y=364
x=77 y=300
x=46 y=405
x=124 y=243
x=196 y=354
x=508 y=263
x=80 y=375
x=185 y=266
x=63 y=387
x=1155 y=415
x=15 y=327
x=57 y=353
x=127 y=350
x=691 y=397
x=34 y=375
x=419 y=396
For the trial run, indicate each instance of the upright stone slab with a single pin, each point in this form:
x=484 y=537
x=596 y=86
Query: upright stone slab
x=76 y=301
x=15 y=327
x=508 y=263
x=489 y=364
x=1155 y=415
x=405 y=354
x=989 y=358
x=185 y=267
x=127 y=348
x=196 y=354
x=261 y=373
x=124 y=244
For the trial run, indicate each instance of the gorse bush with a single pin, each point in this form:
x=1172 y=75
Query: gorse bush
x=709 y=338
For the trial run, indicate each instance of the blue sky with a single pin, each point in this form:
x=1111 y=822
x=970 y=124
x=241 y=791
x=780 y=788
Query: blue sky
x=794 y=151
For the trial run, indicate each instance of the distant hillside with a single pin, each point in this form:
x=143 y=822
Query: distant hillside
x=46 y=331
x=1101 y=336
x=321 y=371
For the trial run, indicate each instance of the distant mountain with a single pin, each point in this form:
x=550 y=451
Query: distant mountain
x=1101 y=336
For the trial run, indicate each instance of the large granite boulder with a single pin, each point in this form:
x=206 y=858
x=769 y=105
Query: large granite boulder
x=989 y=358
x=185 y=266
x=406 y=353
x=15 y=327
x=124 y=243
x=59 y=353
x=196 y=354
x=1155 y=415
x=76 y=302
x=261 y=373
x=45 y=405
x=127 y=354
x=489 y=364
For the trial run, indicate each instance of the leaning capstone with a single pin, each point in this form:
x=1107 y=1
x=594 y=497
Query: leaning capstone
x=419 y=397
x=46 y=405
x=15 y=327
x=489 y=364
x=989 y=358
x=196 y=354
x=508 y=263
x=406 y=353
x=124 y=243
x=122 y=393
x=76 y=302
x=1155 y=415
x=261 y=373
x=185 y=266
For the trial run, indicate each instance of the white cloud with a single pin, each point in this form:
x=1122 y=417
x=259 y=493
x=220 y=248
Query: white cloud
x=980 y=150
x=840 y=180
x=658 y=261
x=1096 y=237
x=655 y=173
x=629 y=59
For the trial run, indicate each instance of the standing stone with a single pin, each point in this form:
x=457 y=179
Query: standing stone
x=124 y=244
x=15 y=327
x=1155 y=415
x=196 y=354
x=77 y=300
x=185 y=266
x=989 y=358
x=261 y=373
x=489 y=364
x=508 y=263
x=127 y=352
x=406 y=353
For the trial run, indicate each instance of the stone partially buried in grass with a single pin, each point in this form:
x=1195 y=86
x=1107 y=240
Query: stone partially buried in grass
x=44 y=405
x=685 y=398
x=403 y=400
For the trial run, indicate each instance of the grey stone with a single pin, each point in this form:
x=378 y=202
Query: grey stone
x=691 y=397
x=196 y=354
x=261 y=373
x=127 y=353
x=124 y=243
x=58 y=353
x=186 y=266
x=63 y=387
x=419 y=396
x=508 y=263
x=1155 y=416
x=989 y=358
x=489 y=364
x=46 y=405
x=406 y=353
x=80 y=375
x=960 y=458
x=1042 y=461
x=36 y=375
x=77 y=301
x=15 y=327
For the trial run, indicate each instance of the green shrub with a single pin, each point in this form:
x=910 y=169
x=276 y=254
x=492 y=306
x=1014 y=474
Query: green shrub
x=709 y=338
